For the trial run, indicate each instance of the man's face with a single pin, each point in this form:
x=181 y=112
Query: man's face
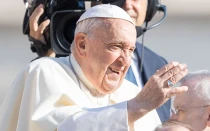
x=137 y=10
x=190 y=111
x=108 y=54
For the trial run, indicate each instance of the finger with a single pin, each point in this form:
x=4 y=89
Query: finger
x=166 y=68
x=50 y=53
x=176 y=91
x=173 y=71
x=36 y=15
x=42 y=26
x=179 y=76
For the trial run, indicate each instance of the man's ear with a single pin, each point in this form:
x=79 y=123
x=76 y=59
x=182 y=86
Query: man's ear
x=80 y=43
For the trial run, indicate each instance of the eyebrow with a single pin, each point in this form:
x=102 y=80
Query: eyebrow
x=122 y=43
x=177 y=107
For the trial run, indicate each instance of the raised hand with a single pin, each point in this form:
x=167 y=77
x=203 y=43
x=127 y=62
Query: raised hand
x=157 y=91
x=36 y=30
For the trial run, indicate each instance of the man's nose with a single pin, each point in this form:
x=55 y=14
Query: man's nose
x=127 y=5
x=125 y=57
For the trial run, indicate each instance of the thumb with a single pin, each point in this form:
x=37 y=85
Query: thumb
x=176 y=90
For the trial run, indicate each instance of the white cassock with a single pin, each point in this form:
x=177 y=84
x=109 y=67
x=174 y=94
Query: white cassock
x=52 y=94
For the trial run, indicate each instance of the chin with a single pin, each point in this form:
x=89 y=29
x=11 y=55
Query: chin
x=110 y=85
x=109 y=89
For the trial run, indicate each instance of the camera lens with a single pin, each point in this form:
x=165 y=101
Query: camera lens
x=62 y=31
x=69 y=28
x=65 y=31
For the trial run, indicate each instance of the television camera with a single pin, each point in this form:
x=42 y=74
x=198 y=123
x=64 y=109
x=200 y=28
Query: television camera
x=64 y=14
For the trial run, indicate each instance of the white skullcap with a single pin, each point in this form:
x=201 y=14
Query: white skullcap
x=105 y=11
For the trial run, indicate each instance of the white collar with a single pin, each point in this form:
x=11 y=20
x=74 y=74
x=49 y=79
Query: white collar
x=81 y=76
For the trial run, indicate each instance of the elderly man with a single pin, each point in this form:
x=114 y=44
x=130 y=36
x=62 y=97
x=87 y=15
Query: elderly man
x=193 y=106
x=86 y=91
x=136 y=9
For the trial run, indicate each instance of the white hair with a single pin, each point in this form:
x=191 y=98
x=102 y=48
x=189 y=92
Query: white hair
x=90 y=26
x=199 y=84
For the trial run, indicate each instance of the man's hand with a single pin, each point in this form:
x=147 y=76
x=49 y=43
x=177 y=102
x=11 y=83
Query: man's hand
x=156 y=91
x=36 y=31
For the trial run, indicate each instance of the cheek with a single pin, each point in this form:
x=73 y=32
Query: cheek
x=106 y=58
x=100 y=63
x=140 y=9
x=202 y=115
x=188 y=118
x=183 y=117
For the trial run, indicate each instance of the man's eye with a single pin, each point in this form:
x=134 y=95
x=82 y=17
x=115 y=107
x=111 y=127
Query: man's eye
x=179 y=112
x=115 y=47
x=132 y=50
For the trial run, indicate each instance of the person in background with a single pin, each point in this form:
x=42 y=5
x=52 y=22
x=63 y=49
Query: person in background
x=86 y=90
x=151 y=61
x=136 y=9
x=193 y=106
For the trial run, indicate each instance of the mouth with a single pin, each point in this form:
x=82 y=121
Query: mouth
x=113 y=78
x=115 y=70
x=132 y=16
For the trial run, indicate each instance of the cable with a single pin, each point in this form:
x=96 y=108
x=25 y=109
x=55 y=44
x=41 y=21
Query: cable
x=142 y=49
x=163 y=9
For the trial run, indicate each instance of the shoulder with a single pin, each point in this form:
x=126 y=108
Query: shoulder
x=44 y=61
x=46 y=65
x=48 y=62
x=149 y=53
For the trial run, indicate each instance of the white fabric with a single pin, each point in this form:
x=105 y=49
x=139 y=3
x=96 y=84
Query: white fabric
x=105 y=11
x=47 y=95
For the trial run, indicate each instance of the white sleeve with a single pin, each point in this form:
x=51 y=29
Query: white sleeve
x=111 y=118
x=57 y=100
x=42 y=97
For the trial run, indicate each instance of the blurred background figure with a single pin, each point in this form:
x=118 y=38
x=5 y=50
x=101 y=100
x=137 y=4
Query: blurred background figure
x=185 y=25
x=193 y=107
x=173 y=125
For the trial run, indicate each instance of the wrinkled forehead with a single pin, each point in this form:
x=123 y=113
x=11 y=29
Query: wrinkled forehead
x=182 y=100
x=126 y=28
x=117 y=31
x=117 y=24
